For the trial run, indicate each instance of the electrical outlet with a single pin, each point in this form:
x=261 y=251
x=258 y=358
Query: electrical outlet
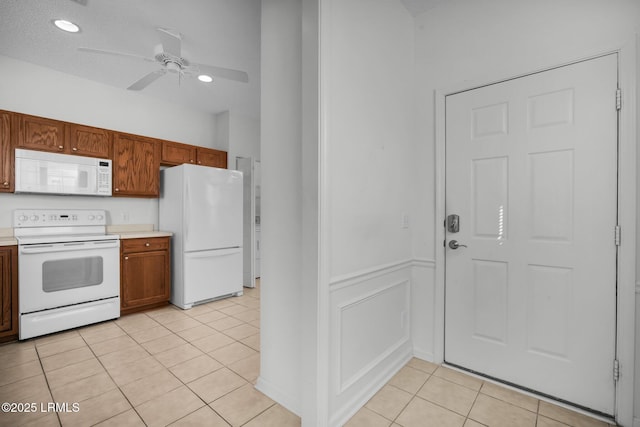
x=125 y=217
x=404 y=220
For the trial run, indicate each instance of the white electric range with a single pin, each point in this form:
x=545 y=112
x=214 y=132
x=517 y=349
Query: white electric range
x=68 y=270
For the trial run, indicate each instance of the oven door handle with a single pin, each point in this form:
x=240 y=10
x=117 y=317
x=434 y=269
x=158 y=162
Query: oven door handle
x=67 y=247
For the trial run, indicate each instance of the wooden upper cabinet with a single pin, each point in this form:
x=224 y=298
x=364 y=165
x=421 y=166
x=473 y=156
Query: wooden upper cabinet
x=38 y=133
x=211 y=157
x=175 y=153
x=89 y=141
x=136 y=166
x=6 y=153
x=42 y=134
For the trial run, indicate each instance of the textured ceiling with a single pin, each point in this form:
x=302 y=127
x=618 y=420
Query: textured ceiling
x=417 y=7
x=224 y=33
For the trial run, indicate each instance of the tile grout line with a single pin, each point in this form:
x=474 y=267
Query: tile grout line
x=110 y=377
x=46 y=379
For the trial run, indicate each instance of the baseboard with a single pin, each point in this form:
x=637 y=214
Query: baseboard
x=289 y=402
x=351 y=408
x=424 y=355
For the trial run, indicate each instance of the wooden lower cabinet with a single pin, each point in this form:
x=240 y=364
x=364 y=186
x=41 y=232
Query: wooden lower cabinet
x=9 y=293
x=145 y=273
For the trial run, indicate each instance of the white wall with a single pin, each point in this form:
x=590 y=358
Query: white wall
x=281 y=221
x=368 y=84
x=465 y=43
x=222 y=130
x=30 y=89
x=240 y=134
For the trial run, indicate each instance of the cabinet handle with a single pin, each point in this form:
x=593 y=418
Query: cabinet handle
x=60 y=147
x=199 y=163
x=126 y=257
x=75 y=148
x=147 y=244
x=191 y=160
x=117 y=189
x=6 y=184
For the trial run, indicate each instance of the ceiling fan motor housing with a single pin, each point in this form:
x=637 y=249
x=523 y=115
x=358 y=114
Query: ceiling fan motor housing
x=173 y=63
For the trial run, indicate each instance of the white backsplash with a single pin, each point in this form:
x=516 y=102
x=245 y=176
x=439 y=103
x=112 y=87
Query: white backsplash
x=120 y=210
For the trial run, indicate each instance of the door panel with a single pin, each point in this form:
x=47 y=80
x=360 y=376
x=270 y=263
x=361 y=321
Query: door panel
x=531 y=167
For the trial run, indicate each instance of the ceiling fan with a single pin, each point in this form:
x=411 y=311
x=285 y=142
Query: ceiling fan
x=169 y=57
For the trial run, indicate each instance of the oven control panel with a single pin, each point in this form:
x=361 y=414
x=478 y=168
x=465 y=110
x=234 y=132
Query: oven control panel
x=57 y=218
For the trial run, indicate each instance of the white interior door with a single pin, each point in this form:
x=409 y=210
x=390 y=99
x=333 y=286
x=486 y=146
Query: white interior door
x=531 y=170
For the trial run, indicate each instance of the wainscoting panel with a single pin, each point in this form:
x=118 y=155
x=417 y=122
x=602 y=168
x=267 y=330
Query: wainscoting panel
x=423 y=309
x=370 y=334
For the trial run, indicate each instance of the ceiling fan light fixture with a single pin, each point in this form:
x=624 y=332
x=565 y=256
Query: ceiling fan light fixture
x=205 y=78
x=65 y=25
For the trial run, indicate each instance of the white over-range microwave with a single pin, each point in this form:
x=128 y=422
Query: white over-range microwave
x=53 y=173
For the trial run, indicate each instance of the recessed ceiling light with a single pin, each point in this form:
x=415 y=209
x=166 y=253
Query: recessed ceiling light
x=65 y=25
x=205 y=78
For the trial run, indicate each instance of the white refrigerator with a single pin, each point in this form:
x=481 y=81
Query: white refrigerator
x=202 y=207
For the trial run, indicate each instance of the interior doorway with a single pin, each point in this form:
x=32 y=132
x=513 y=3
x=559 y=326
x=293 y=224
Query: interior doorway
x=251 y=173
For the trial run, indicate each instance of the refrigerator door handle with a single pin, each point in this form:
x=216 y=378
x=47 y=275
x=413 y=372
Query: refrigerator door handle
x=186 y=217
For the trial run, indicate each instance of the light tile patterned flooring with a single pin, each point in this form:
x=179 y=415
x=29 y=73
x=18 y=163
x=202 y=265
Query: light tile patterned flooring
x=162 y=367
x=197 y=368
x=423 y=394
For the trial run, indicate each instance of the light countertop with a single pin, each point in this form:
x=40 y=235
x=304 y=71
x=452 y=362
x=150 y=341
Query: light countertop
x=8 y=241
x=128 y=231
x=6 y=237
x=136 y=231
x=142 y=234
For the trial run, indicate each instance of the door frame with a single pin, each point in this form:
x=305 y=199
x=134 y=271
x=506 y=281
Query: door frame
x=627 y=187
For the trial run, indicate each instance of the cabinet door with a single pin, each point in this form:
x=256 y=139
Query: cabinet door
x=175 y=153
x=89 y=141
x=8 y=291
x=211 y=157
x=6 y=153
x=136 y=166
x=145 y=278
x=38 y=133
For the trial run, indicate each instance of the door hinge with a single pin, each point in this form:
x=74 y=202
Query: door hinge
x=616 y=370
x=618 y=99
x=617 y=235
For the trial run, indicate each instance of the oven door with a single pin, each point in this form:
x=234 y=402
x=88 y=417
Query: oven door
x=59 y=274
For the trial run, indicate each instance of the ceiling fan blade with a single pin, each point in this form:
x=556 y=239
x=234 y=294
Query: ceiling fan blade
x=224 y=73
x=171 y=42
x=110 y=52
x=148 y=79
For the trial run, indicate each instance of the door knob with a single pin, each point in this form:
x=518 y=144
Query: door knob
x=453 y=244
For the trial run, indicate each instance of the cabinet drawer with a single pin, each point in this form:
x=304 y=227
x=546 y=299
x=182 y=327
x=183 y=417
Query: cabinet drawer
x=142 y=245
